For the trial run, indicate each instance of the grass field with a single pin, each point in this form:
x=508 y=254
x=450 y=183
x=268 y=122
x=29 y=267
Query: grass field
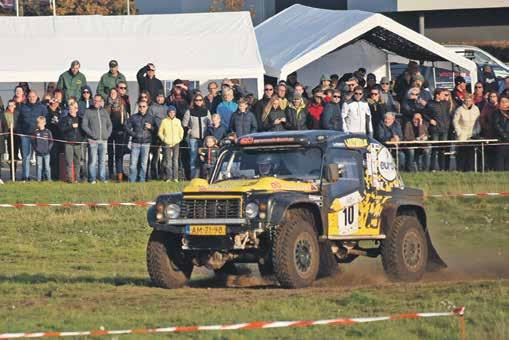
x=81 y=268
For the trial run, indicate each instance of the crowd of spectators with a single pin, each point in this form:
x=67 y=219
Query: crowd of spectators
x=175 y=136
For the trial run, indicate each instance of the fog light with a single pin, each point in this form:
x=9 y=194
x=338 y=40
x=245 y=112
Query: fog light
x=159 y=216
x=251 y=210
x=262 y=215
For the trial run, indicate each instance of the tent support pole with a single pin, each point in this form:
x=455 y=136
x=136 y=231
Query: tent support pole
x=387 y=66
x=259 y=87
x=422 y=24
x=434 y=70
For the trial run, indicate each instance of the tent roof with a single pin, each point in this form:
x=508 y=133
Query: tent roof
x=299 y=35
x=188 y=46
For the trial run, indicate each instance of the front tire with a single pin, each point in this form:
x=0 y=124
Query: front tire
x=166 y=263
x=296 y=253
x=405 y=250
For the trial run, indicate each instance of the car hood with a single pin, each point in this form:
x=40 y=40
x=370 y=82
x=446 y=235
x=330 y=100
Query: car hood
x=269 y=184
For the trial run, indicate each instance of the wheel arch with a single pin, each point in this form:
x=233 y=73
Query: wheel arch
x=395 y=209
x=280 y=207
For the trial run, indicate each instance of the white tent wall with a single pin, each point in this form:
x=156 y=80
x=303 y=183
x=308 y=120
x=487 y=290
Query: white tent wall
x=308 y=40
x=345 y=60
x=186 y=46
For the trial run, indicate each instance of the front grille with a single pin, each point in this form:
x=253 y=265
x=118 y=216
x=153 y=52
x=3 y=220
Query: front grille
x=211 y=208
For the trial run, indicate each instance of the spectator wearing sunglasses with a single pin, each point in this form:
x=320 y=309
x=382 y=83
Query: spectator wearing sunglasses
x=196 y=120
x=141 y=127
x=356 y=114
x=331 y=117
x=110 y=79
x=386 y=95
x=86 y=101
x=412 y=104
x=268 y=91
x=315 y=109
x=376 y=105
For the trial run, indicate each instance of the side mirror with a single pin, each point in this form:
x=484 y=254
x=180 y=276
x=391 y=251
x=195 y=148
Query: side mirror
x=332 y=173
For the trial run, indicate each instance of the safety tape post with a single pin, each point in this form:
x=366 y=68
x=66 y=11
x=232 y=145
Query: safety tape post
x=459 y=312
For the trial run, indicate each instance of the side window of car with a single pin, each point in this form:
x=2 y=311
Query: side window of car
x=350 y=163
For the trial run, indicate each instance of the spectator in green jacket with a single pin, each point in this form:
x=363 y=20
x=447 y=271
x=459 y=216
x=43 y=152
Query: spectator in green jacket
x=110 y=80
x=72 y=81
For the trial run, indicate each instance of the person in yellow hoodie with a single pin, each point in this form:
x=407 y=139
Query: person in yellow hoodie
x=171 y=133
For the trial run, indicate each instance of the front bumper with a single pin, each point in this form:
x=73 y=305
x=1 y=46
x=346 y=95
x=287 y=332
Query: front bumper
x=178 y=226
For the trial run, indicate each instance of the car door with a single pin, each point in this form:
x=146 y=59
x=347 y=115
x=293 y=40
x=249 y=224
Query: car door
x=344 y=197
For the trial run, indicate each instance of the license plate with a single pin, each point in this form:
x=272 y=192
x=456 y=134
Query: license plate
x=208 y=230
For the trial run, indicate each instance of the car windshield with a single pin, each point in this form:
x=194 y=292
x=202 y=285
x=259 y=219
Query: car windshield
x=303 y=164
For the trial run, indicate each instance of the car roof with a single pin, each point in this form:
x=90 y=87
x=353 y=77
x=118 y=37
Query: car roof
x=313 y=137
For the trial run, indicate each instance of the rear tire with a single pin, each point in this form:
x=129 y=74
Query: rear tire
x=405 y=250
x=166 y=263
x=296 y=253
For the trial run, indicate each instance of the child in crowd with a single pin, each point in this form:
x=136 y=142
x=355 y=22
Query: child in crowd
x=171 y=134
x=208 y=156
x=42 y=142
x=216 y=129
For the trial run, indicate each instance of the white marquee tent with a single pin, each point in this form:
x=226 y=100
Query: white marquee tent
x=201 y=46
x=313 y=41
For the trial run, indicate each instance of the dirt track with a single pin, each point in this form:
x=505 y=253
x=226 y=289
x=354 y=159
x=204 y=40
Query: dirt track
x=369 y=272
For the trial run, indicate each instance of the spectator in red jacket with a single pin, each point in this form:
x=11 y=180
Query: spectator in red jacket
x=315 y=109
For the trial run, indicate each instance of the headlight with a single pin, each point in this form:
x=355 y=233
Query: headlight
x=251 y=210
x=172 y=211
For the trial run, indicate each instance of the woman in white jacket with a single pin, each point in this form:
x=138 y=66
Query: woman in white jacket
x=356 y=114
x=466 y=124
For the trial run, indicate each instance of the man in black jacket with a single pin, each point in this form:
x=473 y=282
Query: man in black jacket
x=437 y=116
x=331 y=116
x=268 y=91
x=147 y=80
x=501 y=123
x=140 y=127
x=70 y=126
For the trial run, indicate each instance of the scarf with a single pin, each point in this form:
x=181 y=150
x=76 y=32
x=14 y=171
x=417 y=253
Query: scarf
x=198 y=111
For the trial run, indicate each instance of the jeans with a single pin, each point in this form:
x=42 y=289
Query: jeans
x=155 y=151
x=418 y=159
x=116 y=152
x=438 y=159
x=171 y=162
x=138 y=152
x=72 y=154
x=26 y=153
x=43 y=160
x=194 y=144
x=96 y=153
x=400 y=159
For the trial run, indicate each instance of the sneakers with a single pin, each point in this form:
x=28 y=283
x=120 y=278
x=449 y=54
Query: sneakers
x=93 y=182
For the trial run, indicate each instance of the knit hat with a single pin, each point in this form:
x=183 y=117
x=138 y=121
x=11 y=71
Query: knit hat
x=297 y=96
x=459 y=80
x=171 y=108
x=324 y=77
